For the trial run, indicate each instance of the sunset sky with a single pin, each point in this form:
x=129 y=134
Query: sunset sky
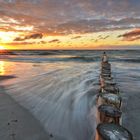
x=69 y=24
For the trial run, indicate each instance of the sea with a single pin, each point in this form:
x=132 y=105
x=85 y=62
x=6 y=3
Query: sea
x=59 y=88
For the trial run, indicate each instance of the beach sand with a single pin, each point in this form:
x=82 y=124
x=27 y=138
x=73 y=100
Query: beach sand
x=16 y=123
x=6 y=77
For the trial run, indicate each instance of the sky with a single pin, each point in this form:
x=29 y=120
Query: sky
x=69 y=24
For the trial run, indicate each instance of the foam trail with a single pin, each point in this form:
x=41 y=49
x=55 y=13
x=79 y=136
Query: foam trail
x=62 y=100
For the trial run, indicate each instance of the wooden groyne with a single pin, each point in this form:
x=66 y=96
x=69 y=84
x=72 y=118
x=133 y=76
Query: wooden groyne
x=109 y=107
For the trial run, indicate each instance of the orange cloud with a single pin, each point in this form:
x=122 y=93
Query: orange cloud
x=132 y=35
x=76 y=37
x=54 y=40
x=32 y=36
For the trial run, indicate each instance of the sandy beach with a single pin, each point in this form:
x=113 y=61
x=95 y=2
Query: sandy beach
x=16 y=123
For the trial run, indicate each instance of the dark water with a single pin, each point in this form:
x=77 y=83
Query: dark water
x=81 y=56
x=59 y=88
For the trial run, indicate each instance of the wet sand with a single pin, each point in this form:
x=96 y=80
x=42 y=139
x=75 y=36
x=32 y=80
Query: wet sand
x=131 y=113
x=129 y=87
x=16 y=123
x=6 y=77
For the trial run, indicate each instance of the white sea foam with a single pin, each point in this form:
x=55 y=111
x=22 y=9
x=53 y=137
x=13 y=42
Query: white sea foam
x=61 y=98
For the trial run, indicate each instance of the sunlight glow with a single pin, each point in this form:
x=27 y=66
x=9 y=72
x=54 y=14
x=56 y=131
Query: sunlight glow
x=2 y=48
x=2 y=70
x=7 y=36
x=24 y=28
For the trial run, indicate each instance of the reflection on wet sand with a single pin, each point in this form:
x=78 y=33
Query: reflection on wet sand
x=2 y=70
x=3 y=74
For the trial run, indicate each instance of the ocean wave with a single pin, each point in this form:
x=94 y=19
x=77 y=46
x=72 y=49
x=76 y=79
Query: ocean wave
x=62 y=100
x=133 y=60
x=69 y=56
x=84 y=59
x=36 y=59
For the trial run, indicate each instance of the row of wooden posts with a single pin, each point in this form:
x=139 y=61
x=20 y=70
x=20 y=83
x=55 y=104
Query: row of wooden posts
x=109 y=111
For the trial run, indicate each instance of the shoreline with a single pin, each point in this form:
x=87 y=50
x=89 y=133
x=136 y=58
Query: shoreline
x=6 y=77
x=17 y=123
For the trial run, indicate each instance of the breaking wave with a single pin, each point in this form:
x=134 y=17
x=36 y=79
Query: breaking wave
x=63 y=100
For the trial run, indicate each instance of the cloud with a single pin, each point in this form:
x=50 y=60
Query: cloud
x=106 y=37
x=54 y=41
x=100 y=37
x=42 y=42
x=131 y=36
x=76 y=37
x=135 y=32
x=96 y=40
x=19 y=43
x=32 y=36
x=134 y=38
x=25 y=43
x=75 y=16
x=96 y=25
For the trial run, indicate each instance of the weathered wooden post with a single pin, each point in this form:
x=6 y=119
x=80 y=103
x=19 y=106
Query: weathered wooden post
x=109 y=114
x=108 y=107
x=110 y=99
x=111 y=131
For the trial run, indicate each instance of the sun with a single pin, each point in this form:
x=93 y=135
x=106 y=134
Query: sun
x=2 y=48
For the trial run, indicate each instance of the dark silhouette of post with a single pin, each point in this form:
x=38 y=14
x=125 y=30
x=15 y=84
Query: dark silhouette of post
x=104 y=57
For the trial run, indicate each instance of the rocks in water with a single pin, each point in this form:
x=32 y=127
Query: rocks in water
x=111 y=131
x=106 y=78
x=109 y=82
x=111 y=88
x=51 y=135
x=105 y=83
x=108 y=75
x=108 y=111
x=110 y=99
x=106 y=69
x=109 y=114
x=106 y=72
x=106 y=65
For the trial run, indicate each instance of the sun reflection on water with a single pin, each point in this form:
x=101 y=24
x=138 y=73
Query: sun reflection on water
x=2 y=70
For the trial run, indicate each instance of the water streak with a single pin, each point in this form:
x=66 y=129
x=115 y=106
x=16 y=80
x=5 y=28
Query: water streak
x=61 y=99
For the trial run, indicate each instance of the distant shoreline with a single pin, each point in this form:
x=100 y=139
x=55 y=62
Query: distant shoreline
x=2 y=77
x=130 y=49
